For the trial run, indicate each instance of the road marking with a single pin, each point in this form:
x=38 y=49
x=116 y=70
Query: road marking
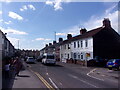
x=53 y=84
x=73 y=76
x=82 y=80
x=88 y=74
x=43 y=80
x=60 y=83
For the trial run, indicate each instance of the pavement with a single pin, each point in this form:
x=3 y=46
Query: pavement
x=26 y=79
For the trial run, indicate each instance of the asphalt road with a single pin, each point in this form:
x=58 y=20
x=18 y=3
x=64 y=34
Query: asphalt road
x=68 y=76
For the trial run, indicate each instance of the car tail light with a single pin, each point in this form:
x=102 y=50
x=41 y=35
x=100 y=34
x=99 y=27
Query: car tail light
x=115 y=63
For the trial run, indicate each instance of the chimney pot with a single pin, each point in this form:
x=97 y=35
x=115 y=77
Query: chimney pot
x=54 y=42
x=46 y=45
x=50 y=44
x=69 y=36
x=82 y=31
x=60 y=39
x=106 y=22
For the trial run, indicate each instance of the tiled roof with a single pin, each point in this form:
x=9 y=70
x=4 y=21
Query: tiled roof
x=51 y=46
x=85 y=35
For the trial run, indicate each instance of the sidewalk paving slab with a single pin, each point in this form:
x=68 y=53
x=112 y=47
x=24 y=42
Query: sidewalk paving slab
x=27 y=79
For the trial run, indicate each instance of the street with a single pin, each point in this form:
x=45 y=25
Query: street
x=64 y=75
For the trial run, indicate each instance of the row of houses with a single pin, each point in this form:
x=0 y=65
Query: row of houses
x=29 y=53
x=6 y=48
x=102 y=42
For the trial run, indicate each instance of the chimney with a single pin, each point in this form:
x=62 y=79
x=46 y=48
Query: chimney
x=46 y=45
x=50 y=44
x=5 y=34
x=106 y=22
x=69 y=36
x=82 y=31
x=60 y=39
x=54 y=42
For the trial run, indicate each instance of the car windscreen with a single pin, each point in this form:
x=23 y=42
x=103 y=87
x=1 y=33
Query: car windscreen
x=111 y=60
x=50 y=57
x=31 y=58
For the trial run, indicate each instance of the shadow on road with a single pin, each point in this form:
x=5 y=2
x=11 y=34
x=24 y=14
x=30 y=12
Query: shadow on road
x=23 y=76
x=54 y=65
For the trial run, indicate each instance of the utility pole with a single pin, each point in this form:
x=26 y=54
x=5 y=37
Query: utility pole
x=55 y=36
x=18 y=44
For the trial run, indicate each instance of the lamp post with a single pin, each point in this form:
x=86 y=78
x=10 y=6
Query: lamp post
x=18 y=44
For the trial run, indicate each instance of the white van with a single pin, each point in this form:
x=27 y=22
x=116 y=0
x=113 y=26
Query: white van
x=48 y=59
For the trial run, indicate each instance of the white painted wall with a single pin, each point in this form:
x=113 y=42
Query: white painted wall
x=64 y=52
x=1 y=45
x=83 y=50
x=78 y=50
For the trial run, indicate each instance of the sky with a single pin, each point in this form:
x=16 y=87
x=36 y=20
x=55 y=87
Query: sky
x=33 y=24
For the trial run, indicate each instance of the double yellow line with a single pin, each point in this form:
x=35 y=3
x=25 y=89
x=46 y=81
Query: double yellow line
x=43 y=80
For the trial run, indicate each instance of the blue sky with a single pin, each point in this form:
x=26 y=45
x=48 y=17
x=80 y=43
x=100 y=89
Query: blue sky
x=33 y=24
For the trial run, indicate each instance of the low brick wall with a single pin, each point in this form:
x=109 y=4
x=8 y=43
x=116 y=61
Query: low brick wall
x=81 y=62
x=69 y=61
x=77 y=62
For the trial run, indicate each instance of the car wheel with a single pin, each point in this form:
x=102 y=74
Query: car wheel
x=118 y=68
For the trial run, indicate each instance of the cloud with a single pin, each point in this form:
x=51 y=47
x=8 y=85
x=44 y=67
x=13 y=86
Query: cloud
x=23 y=8
x=31 y=7
x=56 y=4
x=94 y=22
x=0 y=12
x=26 y=7
x=9 y=22
x=1 y=20
x=61 y=34
x=15 y=16
x=42 y=39
x=13 y=31
x=14 y=41
x=49 y=3
x=110 y=9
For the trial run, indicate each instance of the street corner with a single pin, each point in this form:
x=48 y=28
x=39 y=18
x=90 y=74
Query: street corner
x=103 y=73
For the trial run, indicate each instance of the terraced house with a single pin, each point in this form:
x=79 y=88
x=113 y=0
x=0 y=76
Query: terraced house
x=102 y=42
x=6 y=48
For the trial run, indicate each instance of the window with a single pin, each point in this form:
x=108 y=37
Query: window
x=65 y=46
x=68 y=46
x=78 y=44
x=74 y=55
x=78 y=56
x=81 y=43
x=86 y=43
x=74 y=44
x=81 y=56
x=68 y=56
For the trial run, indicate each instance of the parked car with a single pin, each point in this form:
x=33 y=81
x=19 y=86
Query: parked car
x=49 y=59
x=113 y=63
x=30 y=60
